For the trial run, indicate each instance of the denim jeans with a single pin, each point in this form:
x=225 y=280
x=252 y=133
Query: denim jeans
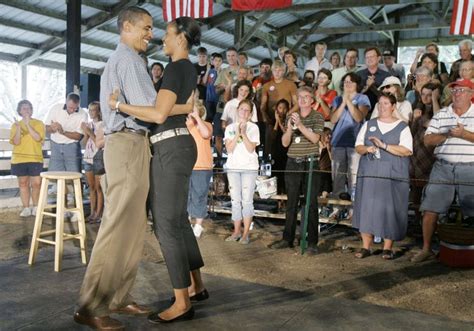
x=345 y=162
x=242 y=188
x=198 y=190
x=65 y=157
x=296 y=183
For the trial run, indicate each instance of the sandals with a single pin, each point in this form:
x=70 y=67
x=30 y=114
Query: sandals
x=387 y=254
x=363 y=253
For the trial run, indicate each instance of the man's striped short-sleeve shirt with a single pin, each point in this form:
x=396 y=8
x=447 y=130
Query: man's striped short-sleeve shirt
x=455 y=150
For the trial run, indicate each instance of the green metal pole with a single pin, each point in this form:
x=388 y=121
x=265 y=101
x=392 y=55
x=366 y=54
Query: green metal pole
x=304 y=241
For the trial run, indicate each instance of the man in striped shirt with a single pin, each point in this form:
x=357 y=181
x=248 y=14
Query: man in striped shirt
x=303 y=131
x=452 y=132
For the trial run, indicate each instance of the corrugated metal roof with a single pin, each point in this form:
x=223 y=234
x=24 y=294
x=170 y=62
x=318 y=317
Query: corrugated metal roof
x=101 y=43
x=11 y=49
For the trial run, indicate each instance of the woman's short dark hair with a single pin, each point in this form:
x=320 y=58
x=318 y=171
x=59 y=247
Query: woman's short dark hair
x=431 y=86
x=157 y=64
x=392 y=98
x=21 y=104
x=191 y=30
x=354 y=78
x=432 y=57
x=241 y=83
x=326 y=72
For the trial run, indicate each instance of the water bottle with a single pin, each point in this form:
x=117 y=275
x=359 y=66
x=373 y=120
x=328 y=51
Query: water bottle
x=377 y=153
x=262 y=169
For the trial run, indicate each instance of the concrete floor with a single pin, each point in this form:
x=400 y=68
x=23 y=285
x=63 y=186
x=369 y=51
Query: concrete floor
x=37 y=298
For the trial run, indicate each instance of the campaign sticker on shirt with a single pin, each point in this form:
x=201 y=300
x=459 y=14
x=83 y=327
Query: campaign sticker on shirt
x=272 y=88
x=297 y=140
x=373 y=129
x=212 y=75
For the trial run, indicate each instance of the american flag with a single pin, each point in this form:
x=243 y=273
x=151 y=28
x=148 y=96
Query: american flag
x=172 y=9
x=249 y=5
x=462 y=21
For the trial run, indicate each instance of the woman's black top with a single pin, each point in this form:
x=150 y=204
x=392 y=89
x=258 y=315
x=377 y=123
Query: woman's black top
x=179 y=77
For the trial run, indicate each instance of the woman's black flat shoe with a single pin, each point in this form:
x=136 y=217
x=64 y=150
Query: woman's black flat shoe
x=156 y=319
x=201 y=296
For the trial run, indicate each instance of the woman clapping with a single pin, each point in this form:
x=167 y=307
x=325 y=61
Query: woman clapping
x=381 y=199
x=241 y=138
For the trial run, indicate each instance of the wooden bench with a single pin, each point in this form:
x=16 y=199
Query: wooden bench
x=281 y=215
x=7 y=181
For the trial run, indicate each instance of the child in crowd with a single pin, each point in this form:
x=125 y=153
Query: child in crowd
x=202 y=171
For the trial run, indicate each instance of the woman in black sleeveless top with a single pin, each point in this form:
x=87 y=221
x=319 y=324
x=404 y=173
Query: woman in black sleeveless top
x=174 y=154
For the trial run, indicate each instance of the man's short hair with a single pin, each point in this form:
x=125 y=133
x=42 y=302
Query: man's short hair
x=372 y=48
x=219 y=55
x=467 y=42
x=322 y=43
x=231 y=49
x=305 y=89
x=74 y=97
x=244 y=54
x=131 y=14
x=278 y=64
x=201 y=51
x=266 y=61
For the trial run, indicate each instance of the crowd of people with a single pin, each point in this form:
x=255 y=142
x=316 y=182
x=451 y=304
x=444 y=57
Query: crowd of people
x=371 y=134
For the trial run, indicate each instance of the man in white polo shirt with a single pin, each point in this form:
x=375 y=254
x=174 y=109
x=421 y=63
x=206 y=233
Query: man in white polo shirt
x=64 y=125
x=451 y=130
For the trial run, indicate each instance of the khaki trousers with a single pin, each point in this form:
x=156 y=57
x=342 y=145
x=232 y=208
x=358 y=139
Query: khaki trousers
x=119 y=245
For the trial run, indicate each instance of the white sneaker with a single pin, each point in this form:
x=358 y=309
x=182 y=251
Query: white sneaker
x=25 y=212
x=33 y=210
x=197 y=229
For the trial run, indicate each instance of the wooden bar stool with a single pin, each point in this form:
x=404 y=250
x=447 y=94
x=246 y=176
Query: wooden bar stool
x=61 y=208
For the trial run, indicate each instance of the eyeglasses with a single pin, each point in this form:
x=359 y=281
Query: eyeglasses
x=347 y=82
x=388 y=86
x=460 y=90
x=305 y=97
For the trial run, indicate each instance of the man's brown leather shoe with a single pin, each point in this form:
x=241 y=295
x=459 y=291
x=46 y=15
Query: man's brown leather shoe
x=132 y=309
x=99 y=323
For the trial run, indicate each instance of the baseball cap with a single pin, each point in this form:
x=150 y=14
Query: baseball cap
x=388 y=53
x=392 y=80
x=463 y=83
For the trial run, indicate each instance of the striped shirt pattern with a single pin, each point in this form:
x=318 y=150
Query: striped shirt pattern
x=300 y=146
x=125 y=70
x=454 y=150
